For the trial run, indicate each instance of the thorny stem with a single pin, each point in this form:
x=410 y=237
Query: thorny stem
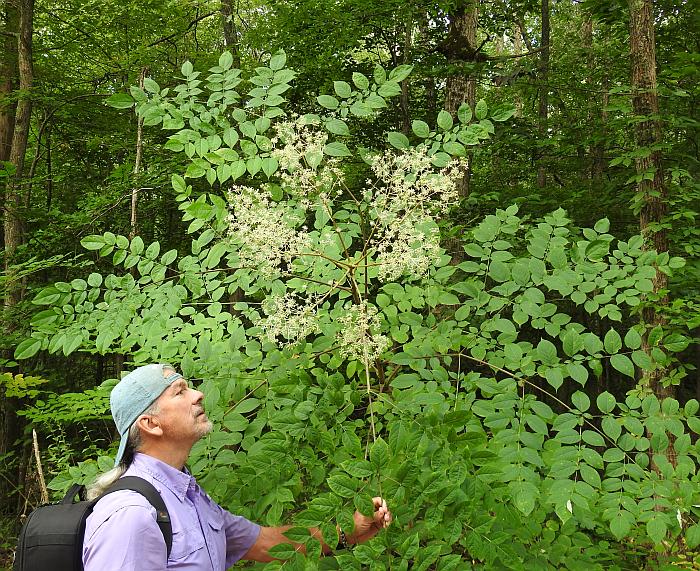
x=332 y=285
x=250 y=392
x=369 y=390
x=335 y=227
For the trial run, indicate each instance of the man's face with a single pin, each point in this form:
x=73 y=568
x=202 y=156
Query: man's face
x=181 y=413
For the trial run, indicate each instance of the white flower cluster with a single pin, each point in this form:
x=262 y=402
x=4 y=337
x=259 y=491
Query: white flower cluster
x=288 y=319
x=404 y=248
x=409 y=192
x=266 y=231
x=409 y=183
x=358 y=335
x=299 y=159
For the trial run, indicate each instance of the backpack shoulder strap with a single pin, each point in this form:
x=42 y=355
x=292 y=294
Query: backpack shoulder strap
x=147 y=490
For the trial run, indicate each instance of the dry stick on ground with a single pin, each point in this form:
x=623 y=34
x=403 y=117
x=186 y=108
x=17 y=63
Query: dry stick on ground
x=40 y=471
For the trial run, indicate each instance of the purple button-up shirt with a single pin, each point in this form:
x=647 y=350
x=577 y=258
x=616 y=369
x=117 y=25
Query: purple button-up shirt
x=121 y=534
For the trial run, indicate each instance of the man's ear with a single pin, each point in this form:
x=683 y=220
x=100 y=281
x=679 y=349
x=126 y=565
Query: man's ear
x=150 y=425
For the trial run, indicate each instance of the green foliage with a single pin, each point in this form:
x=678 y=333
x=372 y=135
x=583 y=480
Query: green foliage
x=21 y=386
x=350 y=360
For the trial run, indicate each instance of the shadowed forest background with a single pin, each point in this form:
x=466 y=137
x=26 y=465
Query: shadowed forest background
x=523 y=385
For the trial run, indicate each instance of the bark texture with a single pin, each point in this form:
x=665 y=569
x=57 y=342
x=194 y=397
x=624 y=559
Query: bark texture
x=652 y=189
x=461 y=47
x=8 y=78
x=137 y=163
x=10 y=428
x=229 y=8
x=543 y=106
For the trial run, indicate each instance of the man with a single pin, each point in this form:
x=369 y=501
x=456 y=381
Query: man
x=160 y=417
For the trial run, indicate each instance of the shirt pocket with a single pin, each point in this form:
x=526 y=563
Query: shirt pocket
x=186 y=542
x=216 y=537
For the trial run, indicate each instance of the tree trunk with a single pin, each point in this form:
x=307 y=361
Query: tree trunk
x=596 y=123
x=10 y=428
x=49 y=168
x=20 y=137
x=137 y=162
x=652 y=188
x=8 y=79
x=598 y=148
x=228 y=17
x=544 y=90
x=518 y=49
x=404 y=98
x=430 y=88
x=13 y=196
x=461 y=47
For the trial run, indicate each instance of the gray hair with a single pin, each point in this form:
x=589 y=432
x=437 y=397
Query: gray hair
x=133 y=445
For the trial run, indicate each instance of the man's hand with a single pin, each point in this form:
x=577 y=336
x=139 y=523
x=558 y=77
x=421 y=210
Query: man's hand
x=366 y=527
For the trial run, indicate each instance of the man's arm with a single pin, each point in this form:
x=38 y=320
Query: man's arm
x=366 y=527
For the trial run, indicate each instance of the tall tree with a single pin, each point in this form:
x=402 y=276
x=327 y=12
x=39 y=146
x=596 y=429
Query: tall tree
x=460 y=48
x=229 y=11
x=651 y=186
x=8 y=77
x=543 y=108
x=20 y=137
x=12 y=226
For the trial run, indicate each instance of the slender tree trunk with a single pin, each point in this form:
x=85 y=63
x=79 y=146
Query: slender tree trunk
x=544 y=90
x=652 y=189
x=404 y=98
x=13 y=197
x=430 y=88
x=596 y=122
x=137 y=162
x=8 y=78
x=228 y=17
x=518 y=48
x=49 y=168
x=462 y=88
x=10 y=427
x=20 y=137
x=588 y=133
x=35 y=161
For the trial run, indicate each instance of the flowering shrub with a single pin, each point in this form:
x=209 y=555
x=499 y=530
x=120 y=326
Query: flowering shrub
x=355 y=360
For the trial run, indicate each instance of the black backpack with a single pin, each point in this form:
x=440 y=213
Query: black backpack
x=52 y=536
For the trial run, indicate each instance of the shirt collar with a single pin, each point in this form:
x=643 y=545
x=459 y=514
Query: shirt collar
x=175 y=480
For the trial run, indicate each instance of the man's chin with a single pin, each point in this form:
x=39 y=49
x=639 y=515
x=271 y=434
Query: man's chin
x=205 y=426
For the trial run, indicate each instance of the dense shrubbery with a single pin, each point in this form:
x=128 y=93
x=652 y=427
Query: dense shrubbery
x=343 y=355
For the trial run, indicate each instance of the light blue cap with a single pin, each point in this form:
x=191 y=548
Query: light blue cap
x=134 y=394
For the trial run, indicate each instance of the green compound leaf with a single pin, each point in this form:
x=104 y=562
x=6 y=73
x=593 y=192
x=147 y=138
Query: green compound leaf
x=420 y=129
x=632 y=339
x=342 y=485
x=337 y=149
x=444 y=120
x=657 y=527
x=692 y=536
x=328 y=101
x=27 y=348
x=606 y=402
x=92 y=242
x=623 y=364
x=612 y=341
x=398 y=140
x=621 y=524
x=581 y=401
x=120 y=101
x=611 y=427
x=379 y=453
